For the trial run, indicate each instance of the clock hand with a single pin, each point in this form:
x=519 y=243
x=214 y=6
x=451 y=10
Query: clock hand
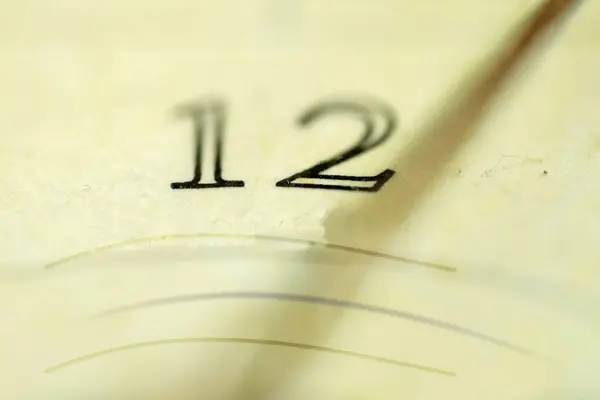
x=417 y=170
x=421 y=163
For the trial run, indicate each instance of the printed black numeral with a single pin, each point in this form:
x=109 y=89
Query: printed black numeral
x=208 y=119
x=368 y=112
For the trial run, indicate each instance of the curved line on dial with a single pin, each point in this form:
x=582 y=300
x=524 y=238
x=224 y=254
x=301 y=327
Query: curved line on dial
x=321 y=301
x=278 y=343
x=281 y=239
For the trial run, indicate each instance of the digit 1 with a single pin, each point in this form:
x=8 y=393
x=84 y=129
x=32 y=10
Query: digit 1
x=209 y=125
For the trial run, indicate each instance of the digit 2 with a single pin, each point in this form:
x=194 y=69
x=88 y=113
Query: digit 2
x=208 y=118
x=368 y=112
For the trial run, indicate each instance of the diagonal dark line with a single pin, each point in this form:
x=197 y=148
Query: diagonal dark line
x=422 y=161
x=418 y=169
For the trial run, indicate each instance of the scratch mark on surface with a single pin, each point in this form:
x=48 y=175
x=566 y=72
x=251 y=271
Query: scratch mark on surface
x=521 y=160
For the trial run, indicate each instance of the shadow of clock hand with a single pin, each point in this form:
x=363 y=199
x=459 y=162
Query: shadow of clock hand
x=418 y=168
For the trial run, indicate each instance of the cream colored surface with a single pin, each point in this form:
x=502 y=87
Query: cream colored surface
x=89 y=146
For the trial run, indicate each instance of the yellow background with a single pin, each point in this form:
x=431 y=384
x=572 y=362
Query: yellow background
x=89 y=146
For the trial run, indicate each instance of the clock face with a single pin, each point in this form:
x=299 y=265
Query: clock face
x=299 y=199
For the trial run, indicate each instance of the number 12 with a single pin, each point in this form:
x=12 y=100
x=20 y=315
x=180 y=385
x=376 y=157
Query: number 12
x=209 y=118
